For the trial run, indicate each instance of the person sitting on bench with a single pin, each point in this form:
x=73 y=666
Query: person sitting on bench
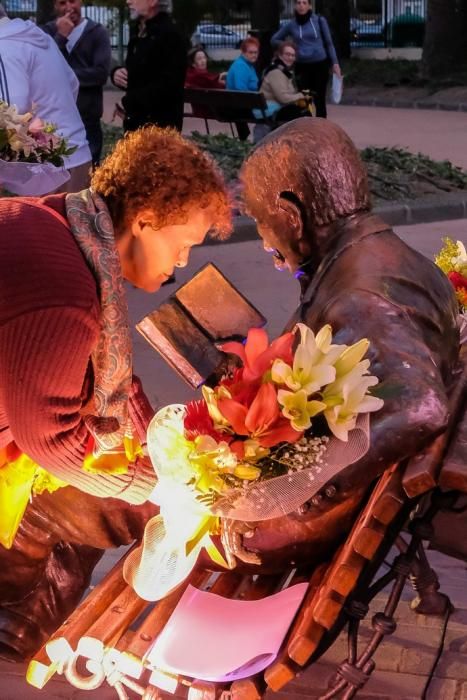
x=278 y=86
x=285 y=101
x=243 y=76
x=198 y=76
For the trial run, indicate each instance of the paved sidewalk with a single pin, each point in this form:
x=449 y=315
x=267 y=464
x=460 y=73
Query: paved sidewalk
x=439 y=134
x=453 y=99
x=403 y=663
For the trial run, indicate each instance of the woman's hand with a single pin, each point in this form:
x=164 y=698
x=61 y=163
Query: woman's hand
x=337 y=70
x=120 y=78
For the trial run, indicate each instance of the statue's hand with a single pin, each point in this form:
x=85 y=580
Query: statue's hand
x=226 y=368
x=232 y=534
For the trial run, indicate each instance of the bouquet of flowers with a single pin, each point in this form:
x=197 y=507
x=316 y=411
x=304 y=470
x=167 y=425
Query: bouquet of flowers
x=256 y=446
x=31 y=153
x=452 y=259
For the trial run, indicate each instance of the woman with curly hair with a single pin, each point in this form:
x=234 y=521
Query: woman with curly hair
x=73 y=476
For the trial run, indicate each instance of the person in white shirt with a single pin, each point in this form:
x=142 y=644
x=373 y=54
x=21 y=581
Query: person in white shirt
x=34 y=76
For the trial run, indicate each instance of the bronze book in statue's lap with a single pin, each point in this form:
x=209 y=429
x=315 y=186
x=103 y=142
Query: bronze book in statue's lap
x=202 y=314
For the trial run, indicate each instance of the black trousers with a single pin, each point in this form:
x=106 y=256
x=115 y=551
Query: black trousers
x=289 y=112
x=314 y=77
x=95 y=138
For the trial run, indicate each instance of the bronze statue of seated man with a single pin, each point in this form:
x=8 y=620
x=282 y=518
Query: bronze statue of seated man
x=307 y=189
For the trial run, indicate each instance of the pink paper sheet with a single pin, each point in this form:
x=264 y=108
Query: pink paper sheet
x=217 y=639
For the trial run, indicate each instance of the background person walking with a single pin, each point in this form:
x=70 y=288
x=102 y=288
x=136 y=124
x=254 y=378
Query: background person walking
x=86 y=47
x=155 y=68
x=315 y=51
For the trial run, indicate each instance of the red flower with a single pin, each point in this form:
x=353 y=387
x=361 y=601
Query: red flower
x=257 y=355
x=242 y=391
x=197 y=421
x=458 y=281
x=261 y=420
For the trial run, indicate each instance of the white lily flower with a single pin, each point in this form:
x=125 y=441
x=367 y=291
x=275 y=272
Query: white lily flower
x=347 y=397
x=312 y=364
x=459 y=262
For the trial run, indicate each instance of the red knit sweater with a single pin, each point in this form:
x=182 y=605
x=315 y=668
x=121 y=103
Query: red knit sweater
x=49 y=325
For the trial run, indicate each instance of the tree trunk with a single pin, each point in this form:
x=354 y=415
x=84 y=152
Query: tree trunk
x=265 y=16
x=188 y=13
x=45 y=11
x=444 y=46
x=337 y=13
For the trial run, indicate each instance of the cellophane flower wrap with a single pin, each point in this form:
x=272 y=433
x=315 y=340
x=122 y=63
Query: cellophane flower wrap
x=31 y=153
x=255 y=447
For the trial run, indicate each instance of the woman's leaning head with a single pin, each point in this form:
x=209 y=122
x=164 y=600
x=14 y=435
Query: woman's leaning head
x=164 y=194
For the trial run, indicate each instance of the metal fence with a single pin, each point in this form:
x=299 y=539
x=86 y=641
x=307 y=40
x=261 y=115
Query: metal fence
x=373 y=23
x=387 y=23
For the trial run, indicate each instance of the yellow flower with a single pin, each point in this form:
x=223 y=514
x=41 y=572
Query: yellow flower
x=297 y=408
x=253 y=450
x=247 y=472
x=448 y=253
x=212 y=459
x=44 y=481
x=209 y=459
x=210 y=396
x=312 y=364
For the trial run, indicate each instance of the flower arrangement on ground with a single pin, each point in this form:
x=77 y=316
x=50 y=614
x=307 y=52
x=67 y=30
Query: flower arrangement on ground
x=452 y=259
x=31 y=153
x=256 y=446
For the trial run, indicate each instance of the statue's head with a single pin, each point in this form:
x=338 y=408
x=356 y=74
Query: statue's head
x=299 y=182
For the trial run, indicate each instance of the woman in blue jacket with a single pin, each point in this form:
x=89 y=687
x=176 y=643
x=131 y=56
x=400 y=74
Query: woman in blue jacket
x=242 y=75
x=315 y=51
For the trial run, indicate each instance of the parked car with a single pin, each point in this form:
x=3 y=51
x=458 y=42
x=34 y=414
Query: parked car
x=216 y=36
x=366 y=32
x=20 y=7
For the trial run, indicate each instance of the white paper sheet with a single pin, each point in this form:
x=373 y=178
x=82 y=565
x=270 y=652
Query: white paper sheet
x=212 y=638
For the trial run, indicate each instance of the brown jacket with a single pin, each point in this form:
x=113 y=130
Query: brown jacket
x=371 y=284
x=278 y=87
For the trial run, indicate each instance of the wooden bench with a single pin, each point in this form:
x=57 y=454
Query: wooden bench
x=114 y=620
x=227 y=106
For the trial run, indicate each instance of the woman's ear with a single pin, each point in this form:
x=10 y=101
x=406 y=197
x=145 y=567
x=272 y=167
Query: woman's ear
x=141 y=221
x=292 y=220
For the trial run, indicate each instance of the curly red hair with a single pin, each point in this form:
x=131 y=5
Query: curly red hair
x=158 y=169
